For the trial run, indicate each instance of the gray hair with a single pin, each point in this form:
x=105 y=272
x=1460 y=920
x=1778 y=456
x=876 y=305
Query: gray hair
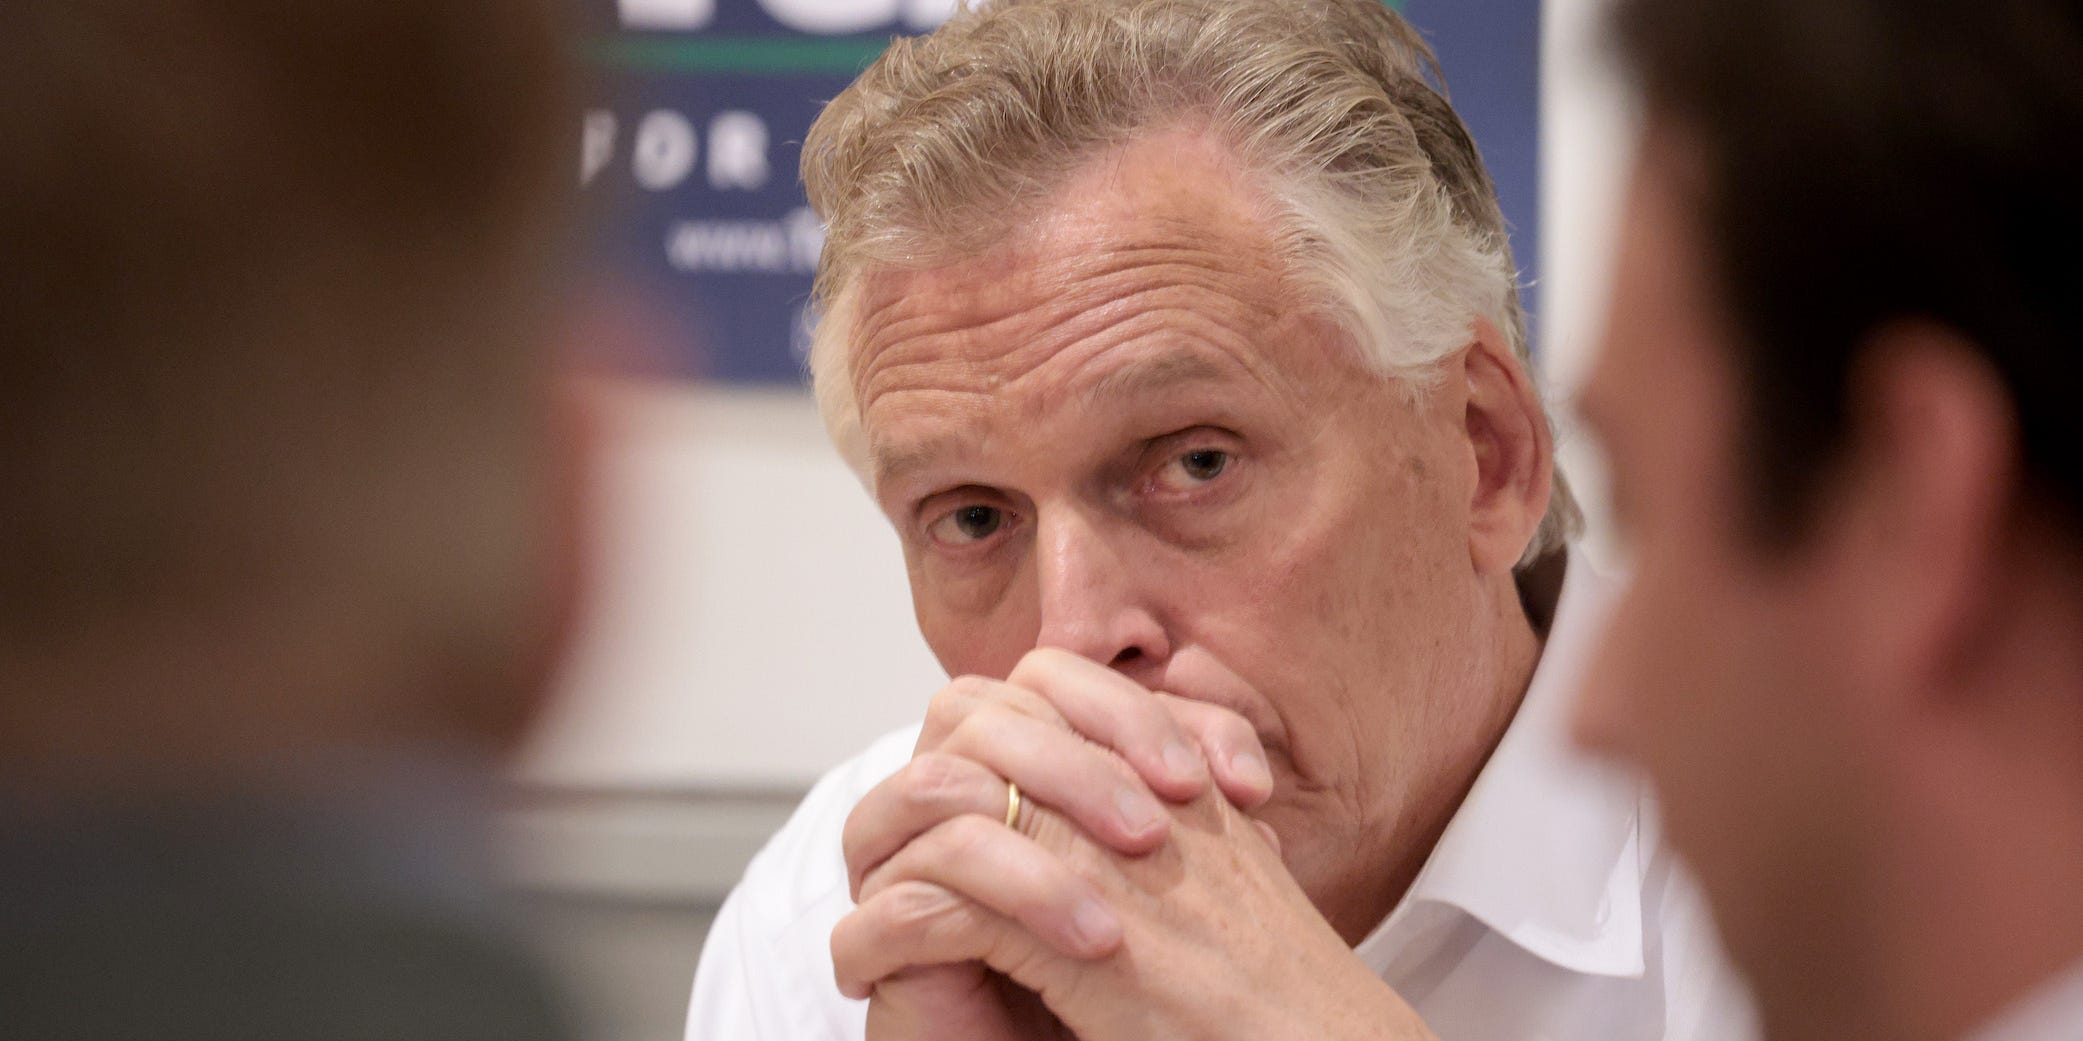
x=1384 y=214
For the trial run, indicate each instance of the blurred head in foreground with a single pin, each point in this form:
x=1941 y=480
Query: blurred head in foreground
x=284 y=540
x=1839 y=391
x=274 y=410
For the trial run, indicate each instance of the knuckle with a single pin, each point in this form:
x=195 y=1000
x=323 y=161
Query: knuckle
x=969 y=688
x=854 y=835
x=948 y=707
x=962 y=838
x=847 y=936
x=1034 y=704
x=1014 y=955
x=1039 y=661
x=938 y=782
x=911 y=904
x=947 y=924
x=973 y=733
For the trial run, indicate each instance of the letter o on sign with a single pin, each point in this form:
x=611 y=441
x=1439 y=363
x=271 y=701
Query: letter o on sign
x=665 y=150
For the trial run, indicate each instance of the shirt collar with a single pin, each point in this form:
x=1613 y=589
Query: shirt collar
x=1547 y=849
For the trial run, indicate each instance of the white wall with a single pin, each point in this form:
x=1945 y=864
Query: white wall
x=1587 y=137
x=752 y=623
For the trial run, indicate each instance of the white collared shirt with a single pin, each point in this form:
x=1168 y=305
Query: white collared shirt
x=1547 y=912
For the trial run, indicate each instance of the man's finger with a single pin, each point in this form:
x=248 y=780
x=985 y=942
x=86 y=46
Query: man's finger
x=908 y=925
x=966 y=695
x=943 y=1003
x=1231 y=746
x=1119 y=713
x=1008 y=874
x=915 y=924
x=1062 y=770
x=1051 y=765
x=931 y=788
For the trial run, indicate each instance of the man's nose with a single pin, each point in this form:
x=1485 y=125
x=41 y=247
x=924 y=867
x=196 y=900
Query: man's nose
x=1092 y=600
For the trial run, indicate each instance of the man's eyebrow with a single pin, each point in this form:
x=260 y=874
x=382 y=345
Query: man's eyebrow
x=892 y=463
x=895 y=462
x=1151 y=375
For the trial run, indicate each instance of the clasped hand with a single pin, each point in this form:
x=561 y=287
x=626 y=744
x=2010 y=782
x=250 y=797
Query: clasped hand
x=1133 y=897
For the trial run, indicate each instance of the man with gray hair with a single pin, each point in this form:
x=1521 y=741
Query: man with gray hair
x=1180 y=342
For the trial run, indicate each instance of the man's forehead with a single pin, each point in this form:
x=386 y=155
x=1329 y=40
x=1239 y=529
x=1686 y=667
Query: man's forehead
x=1172 y=189
x=1048 y=283
x=1158 y=246
x=915 y=435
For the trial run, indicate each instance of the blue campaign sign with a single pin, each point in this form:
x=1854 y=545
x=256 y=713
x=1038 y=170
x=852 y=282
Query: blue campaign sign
x=690 y=146
x=1490 y=51
x=705 y=229
x=689 y=153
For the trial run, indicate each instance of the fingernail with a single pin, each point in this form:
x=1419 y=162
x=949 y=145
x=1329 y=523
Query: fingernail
x=1138 y=812
x=1095 y=926
x=1250 y=768
x=1181 y=762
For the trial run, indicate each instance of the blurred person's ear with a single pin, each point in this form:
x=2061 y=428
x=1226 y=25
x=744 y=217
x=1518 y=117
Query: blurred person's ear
x=563 y=571
x=1918 y=521
x=1514 y=452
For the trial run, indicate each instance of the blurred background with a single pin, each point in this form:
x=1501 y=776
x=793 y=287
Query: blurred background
x=752 y=626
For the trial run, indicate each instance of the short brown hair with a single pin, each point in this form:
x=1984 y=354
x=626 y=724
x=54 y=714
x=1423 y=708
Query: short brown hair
x=268 y=316
x=1869 y=161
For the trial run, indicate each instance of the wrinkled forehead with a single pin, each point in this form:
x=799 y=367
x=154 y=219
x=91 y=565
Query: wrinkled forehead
x=1071 y=332
x=1166 y=226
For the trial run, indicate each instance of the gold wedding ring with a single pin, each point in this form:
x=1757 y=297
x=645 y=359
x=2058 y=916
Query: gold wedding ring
x=1012 y=805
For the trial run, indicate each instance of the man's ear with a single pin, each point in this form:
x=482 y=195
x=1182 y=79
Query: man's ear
x=1933 y=476
x=1514 y=452
x=562 y=566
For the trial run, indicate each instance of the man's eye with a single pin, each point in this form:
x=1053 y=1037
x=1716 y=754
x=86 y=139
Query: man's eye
x=968 y=524
x=1205 y=464
x=1192 y=469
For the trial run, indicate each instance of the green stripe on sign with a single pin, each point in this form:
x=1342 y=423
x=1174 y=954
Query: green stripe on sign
x=752 y=55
